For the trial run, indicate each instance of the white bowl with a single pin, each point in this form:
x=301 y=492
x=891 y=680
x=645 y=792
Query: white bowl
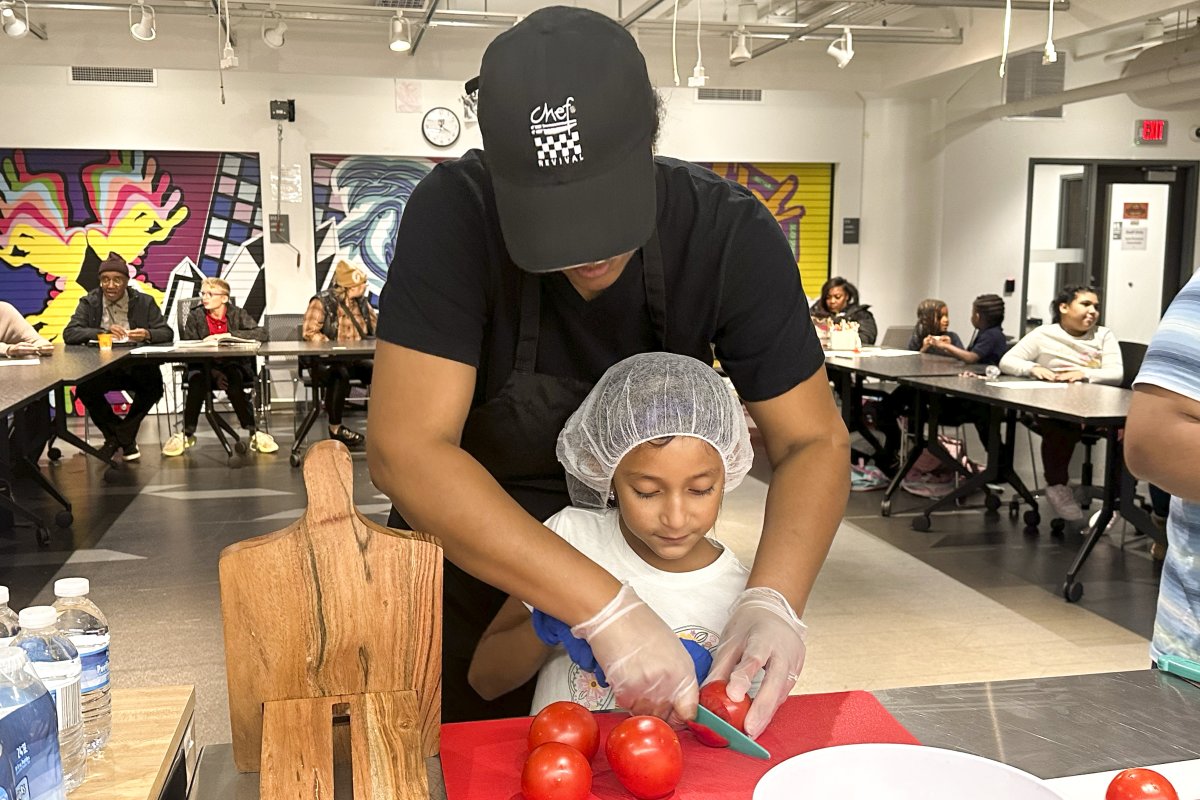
x=897 y=772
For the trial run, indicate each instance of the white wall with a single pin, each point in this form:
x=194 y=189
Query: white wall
x=986 y=176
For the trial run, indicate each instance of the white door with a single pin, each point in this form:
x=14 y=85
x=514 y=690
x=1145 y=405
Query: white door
x=1136 y=247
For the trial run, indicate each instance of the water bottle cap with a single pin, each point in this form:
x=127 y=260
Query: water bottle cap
x=4 y=594
x=37 y=617
x=12 y=659
x=72 y=587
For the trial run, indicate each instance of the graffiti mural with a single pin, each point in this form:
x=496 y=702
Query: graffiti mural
x=357 y=204
x=175 y=217
x=800 y=197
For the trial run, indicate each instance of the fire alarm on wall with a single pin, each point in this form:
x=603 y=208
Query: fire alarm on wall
x=283 y=110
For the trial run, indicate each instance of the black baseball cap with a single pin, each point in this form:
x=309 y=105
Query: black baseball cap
x=567 y=114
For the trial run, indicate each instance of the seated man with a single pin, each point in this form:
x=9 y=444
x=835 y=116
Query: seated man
x=129 y=315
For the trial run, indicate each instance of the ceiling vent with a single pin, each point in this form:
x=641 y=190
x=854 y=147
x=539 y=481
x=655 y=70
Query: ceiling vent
x=730 y=95
x=1027 y=78
x=411 y=5
x=123 y=76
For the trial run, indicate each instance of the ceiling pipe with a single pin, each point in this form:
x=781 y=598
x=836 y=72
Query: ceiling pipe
x=424 y=26
x=1147 y=80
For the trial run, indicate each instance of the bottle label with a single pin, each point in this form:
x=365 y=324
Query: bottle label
x=62 y=679
x=93 y=652
x=29 y=760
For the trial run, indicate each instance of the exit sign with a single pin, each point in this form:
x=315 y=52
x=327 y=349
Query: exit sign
x=1150 y=131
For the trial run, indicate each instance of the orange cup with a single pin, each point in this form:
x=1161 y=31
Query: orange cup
x=104 y=340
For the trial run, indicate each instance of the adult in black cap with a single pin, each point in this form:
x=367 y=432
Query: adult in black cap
x=521 y=274
x=113 y=307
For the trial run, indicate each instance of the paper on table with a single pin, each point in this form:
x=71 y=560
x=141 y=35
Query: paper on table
x=1027 y=384
x=19 y=362
x=880 y=352
x=153 y=348
x=1183 y=775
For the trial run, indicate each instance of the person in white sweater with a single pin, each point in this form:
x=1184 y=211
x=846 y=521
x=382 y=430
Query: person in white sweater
x=19 y=339
x=1071 y=349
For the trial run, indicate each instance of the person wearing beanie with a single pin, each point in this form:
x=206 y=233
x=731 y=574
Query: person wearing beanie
x=520 y=274
x=341 y=313
x=131 y=316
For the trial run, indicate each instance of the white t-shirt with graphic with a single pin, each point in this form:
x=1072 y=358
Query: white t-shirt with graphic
x=694 y=604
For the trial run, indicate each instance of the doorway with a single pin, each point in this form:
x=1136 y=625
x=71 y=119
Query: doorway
x=1126 y=227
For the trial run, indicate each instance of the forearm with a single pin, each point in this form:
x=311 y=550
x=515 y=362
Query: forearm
x=805 y=504
x=505 y=660
x=962 y=354
x=1012 y=364
x=440 y=489
x=1162 y=444
x=1111 y=376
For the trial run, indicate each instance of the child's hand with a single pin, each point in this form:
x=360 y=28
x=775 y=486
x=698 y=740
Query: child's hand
x=554 y=631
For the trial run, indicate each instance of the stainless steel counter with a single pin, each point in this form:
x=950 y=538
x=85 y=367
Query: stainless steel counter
x=1052 y=727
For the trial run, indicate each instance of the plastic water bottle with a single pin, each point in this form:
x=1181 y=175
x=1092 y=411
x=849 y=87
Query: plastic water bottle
x=56 y=662
x=84 y=624
x=29 y=762
x=9 y=627
x=991 y=372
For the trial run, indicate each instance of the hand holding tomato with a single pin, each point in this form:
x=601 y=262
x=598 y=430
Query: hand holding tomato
x=715 y=699
x=568 y=723
x=1140 y=784
x=555 y=771
x=645 y=755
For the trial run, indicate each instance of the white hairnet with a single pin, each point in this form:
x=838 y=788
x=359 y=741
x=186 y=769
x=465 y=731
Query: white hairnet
x=644 y=397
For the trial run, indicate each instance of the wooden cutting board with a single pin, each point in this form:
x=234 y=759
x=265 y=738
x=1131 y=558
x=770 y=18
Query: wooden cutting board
x=483 y=760
x=332 y=605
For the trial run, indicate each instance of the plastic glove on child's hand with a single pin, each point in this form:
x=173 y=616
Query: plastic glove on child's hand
x=552 y=631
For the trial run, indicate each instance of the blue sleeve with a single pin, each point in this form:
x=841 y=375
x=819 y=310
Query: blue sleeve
x=1173 y=358
x=990 y=345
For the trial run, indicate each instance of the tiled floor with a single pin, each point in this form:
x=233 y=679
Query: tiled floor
x=973 y=599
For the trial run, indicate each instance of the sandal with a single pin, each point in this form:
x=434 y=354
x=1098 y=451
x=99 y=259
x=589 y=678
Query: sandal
x=348 y=437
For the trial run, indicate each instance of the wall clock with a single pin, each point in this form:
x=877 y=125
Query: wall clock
x=441 y=127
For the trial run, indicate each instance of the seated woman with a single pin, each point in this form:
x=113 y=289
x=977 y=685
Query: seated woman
x=839 y=303
x=19 y=339
x=214 y=319
x=1072 y=348
x=340 y=314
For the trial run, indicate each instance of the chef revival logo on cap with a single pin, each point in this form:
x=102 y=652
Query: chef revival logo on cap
x=556 y=134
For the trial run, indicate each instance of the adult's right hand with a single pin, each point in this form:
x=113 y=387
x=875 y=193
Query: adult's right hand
x=644 y=661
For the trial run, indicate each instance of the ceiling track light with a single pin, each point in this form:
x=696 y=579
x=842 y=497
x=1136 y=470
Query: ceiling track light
x=13 y=24
x=273 y=36
x=144 y=29
x=740 y=54
x=401 y=37
x=842 y=48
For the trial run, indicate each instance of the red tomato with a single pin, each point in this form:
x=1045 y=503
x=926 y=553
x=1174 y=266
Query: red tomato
x=1140 y=784
x=556 y=771
x=645 y=755
x=713 y=697
x=566 y=722
x=707 y=736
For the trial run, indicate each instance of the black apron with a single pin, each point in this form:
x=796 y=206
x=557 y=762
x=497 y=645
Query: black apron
x=514 y=435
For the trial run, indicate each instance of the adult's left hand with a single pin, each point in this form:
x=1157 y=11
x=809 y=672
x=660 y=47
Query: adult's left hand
x=763 y=632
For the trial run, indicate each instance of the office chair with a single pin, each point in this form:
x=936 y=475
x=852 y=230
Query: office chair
x=896 y=337
x=280 y=328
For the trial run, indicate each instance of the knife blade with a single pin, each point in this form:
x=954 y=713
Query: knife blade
x=738 y=741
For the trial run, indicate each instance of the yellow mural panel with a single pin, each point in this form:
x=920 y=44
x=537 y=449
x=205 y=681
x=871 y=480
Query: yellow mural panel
x=800 y=197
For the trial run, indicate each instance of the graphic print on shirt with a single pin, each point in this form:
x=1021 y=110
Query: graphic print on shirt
x=556 y=134
x=585 y=690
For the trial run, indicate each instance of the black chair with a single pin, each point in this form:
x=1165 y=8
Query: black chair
x=280 y=328
x=896 y=337
x=1132 y=355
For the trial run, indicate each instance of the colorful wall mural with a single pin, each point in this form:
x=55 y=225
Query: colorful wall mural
x=801 y=198
x=357 y=204
x=176 y=217
x=358 y=201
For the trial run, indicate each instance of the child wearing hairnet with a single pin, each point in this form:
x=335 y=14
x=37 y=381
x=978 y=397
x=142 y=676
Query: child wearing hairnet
x=648 y=456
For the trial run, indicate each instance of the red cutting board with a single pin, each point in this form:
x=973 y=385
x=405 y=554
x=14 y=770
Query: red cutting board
x=483 y=760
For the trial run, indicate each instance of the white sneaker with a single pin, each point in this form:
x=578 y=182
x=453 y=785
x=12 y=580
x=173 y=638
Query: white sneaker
x=177 y=443
x=1063 y=501
x=263 y=442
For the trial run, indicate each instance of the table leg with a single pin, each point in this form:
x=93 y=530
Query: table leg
x=305 y=426
x=885 y=506
x=9 y=507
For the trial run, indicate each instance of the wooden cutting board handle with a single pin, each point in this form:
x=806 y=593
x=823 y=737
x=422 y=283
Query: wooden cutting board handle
x=332 y=605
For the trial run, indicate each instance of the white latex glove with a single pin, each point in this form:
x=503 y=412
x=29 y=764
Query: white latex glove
x=763 y=632
x=643 y=660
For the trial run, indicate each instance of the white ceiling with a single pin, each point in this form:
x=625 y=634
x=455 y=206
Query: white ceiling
x=345 y=37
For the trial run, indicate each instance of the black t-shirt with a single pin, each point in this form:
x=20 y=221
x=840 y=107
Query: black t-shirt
x=989 y=345
x=731 y=281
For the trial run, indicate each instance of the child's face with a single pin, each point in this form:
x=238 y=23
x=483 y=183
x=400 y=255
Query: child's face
x=669 y=496
x=1081 y=314
x=943 y=319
